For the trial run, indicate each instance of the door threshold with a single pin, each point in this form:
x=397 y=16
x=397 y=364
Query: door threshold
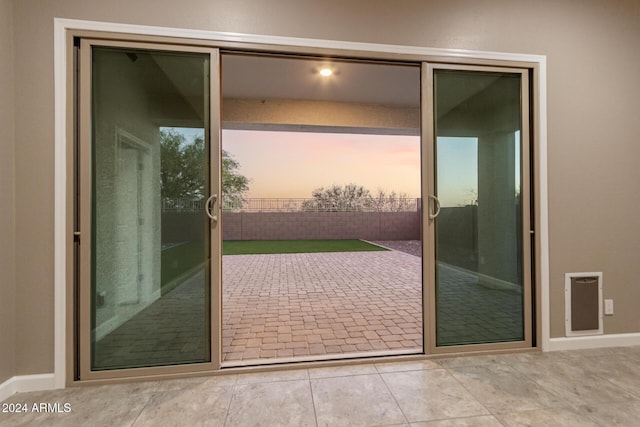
x=320 y=358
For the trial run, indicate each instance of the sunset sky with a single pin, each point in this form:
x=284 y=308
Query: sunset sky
x=293 y=164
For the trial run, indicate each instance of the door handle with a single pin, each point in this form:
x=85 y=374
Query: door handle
x=436 y=202
x=208 y=207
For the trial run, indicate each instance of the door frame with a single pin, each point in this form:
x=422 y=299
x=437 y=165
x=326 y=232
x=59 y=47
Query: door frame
x=83 y=230
x=429 y=184
x=65 y=30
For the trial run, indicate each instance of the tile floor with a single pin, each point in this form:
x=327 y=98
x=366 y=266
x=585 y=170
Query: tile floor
x=572 y=388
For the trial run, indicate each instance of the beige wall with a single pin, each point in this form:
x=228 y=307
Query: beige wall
x=7 y=219
x=594 y=99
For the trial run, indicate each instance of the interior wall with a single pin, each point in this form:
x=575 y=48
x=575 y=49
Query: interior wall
x=593 y=99
x=127 y=189
x=7 y=200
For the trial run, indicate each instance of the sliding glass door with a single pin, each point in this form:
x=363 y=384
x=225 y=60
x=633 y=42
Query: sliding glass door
x=437 y=249
x=479 y=222
x=147 y=208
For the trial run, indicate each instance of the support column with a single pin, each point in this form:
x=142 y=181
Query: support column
x=498 y=214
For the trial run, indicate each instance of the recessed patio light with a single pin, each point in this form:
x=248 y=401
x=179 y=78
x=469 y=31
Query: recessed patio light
x=326 y=72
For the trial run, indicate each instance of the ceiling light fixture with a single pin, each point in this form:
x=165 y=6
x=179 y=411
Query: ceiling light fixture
x=326 y=72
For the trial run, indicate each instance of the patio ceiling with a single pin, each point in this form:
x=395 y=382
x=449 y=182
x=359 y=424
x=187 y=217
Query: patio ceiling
x=277 y=77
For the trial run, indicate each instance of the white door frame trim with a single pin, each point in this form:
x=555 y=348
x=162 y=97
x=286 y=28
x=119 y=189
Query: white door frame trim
x=62 y=25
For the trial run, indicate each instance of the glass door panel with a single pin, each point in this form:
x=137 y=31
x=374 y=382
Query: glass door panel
x=480 y=149
x=148 y=301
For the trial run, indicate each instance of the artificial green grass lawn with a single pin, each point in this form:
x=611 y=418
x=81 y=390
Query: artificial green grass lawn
x=251 y=247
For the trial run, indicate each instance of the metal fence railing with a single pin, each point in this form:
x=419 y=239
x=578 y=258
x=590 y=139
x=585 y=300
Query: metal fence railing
x=318 y=205
x=182 y=205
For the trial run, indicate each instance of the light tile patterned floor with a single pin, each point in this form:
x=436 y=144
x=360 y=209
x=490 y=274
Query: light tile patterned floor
x=287 y=305
x=572 y=388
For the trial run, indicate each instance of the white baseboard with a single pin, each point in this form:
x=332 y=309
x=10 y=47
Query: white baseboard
x=593 y=341
x=26 y=383
x=106 y=327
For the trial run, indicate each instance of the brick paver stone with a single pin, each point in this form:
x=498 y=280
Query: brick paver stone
x=345 y=293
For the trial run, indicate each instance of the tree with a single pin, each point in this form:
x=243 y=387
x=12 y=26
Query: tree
x=183 y=169
x=234 y=185
x=393 y=202
x=350 y=197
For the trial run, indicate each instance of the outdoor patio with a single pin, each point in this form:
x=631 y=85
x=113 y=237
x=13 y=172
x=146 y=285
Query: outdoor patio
x=315 y=304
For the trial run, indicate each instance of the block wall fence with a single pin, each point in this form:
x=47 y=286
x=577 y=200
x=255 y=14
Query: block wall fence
x=456 y=230
x=321 y=225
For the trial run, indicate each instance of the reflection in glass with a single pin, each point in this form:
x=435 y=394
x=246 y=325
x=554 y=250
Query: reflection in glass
x=479 y=277
x=149 y=268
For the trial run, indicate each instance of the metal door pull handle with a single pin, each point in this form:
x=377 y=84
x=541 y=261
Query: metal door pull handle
x=208 y=207
x=435 y=214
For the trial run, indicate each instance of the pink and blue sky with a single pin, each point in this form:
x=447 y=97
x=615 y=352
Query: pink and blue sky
x=292 y=164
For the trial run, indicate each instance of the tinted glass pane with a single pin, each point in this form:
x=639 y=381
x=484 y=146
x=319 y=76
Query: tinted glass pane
x=150 y=294
x=479 y=278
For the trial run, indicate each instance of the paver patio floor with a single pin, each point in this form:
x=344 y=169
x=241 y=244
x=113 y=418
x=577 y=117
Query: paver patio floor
x=286 y=305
